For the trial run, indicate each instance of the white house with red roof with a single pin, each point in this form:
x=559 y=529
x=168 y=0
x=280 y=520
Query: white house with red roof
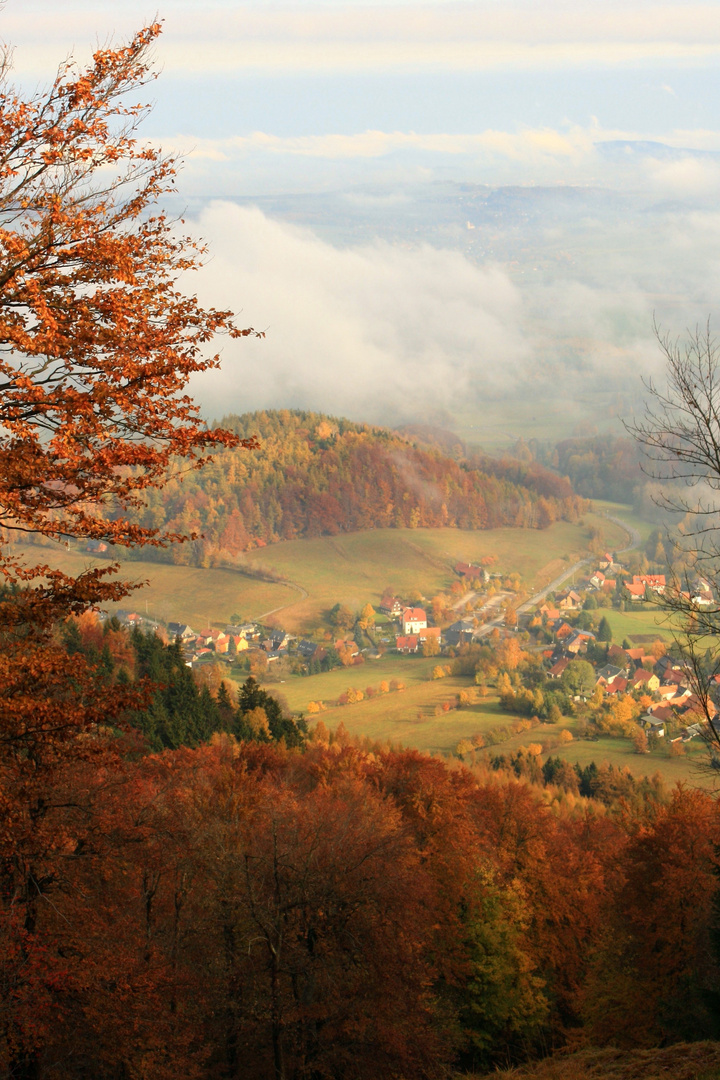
x=414 y=619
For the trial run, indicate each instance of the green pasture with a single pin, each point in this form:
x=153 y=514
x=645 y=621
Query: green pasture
x=646 y=620
x=406 y=716
x=619 y=752
x=352 y=569
x=180 y=593
x=355 y=568
x=628 y=514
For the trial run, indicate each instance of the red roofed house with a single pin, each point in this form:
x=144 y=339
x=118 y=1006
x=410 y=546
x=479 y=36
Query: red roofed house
x=413 y=619
x=557 y=669
x=642 y=582
x=644 y=678
x=618 y=685
x=429 y=632
x=390 y=605
x=407 y=644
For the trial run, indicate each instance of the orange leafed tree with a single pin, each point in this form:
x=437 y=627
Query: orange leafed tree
x=97 y=344
x=97 y=340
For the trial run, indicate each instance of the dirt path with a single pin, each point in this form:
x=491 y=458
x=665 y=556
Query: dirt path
x=291 y=585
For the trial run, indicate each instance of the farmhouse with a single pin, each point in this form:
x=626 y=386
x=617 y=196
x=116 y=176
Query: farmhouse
x=390 y=605
x=413 y=619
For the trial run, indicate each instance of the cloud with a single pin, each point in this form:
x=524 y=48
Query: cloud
x=391 y=333
x=372 y=332
x=484 y=35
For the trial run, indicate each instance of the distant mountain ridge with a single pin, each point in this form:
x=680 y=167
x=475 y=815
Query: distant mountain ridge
x=622 y=149
x=317 y=475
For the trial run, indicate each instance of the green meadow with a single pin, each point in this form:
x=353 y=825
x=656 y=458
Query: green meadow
x=180 y=593
x=647 y=620
x=355 y=568
x=351 y=568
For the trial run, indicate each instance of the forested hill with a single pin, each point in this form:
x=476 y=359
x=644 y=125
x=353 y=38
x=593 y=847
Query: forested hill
x=315 y=475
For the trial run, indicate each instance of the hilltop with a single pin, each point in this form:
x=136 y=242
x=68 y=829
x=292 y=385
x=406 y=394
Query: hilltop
x=315 y=475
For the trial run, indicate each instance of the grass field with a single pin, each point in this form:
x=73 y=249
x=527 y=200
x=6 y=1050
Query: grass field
x=626 y=513
x=355 y=568
x=182 y=593
x=645 y=621
x=351 y=569
x=408 y=718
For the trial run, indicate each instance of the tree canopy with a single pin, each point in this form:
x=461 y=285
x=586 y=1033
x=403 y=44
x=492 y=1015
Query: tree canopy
x=97 y=340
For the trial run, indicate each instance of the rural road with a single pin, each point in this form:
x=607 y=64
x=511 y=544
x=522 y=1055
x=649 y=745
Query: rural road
x=634 y=537
x=496 y=601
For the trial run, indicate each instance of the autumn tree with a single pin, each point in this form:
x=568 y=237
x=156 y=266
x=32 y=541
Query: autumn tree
x=97 y=344
x=97 y=340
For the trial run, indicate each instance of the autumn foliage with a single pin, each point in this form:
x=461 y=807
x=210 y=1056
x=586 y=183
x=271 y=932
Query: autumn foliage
x=189 y=886
x=311 y=478
x=97 y=342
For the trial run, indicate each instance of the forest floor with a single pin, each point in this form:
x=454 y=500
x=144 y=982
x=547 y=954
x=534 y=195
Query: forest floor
x=683 y=1061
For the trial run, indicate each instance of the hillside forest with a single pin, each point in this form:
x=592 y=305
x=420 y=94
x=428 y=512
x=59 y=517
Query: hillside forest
x=312 y=475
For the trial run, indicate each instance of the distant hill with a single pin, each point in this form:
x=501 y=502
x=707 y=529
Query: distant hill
x=316 y=475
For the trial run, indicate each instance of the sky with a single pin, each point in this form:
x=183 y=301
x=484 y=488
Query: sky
x=388 y=101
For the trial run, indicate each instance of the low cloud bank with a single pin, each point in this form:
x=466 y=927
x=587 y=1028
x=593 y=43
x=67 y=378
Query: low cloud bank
x=376 y=332
x=393 y=333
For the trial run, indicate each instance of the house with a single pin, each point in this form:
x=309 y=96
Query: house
x=569 y=601
x=548 y=613
x=128 y=618
x=642 y=679
x=661 y=713
x=471 y=572
x=598 y=579
x=181 y=630
x=391 y=606
x=460 y=632
x=557 y=669
x=413 y=619
x=693 y=706
x=310 y=650
x=407 y=644
x=428 y=633
x=348 y=646
x=642 y=583
x=618 y=685
x=563 y=631
x=619 y=657
x=607 y=673
x=654 y=726
x=96 y=547
x=578 y=641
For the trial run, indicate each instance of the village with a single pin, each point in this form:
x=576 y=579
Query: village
x=562 y=627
